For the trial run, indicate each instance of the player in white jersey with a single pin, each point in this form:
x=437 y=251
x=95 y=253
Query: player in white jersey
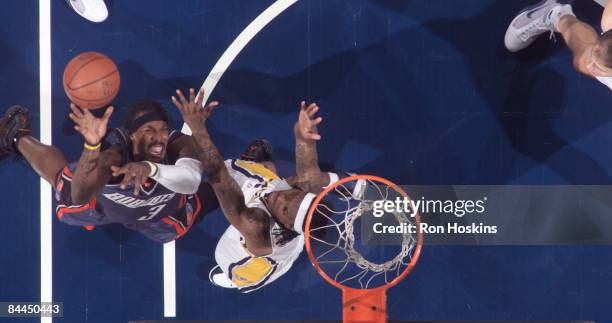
x=237 y=266
x=266 y=212
x=592 y=52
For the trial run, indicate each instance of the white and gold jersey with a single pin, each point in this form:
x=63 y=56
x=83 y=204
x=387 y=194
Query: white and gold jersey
x=255 y=181
x=244 y=270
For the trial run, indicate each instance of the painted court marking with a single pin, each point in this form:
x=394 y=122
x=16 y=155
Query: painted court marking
x=209 y=84
x=46 y=210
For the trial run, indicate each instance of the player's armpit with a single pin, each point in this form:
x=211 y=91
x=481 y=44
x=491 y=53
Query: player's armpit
x=183 y=147
x=255 y=227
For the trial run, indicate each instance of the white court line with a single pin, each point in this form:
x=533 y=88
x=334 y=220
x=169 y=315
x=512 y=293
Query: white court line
x=209 y=85
x=238 y=45
x=46 y=211
x=169 y=280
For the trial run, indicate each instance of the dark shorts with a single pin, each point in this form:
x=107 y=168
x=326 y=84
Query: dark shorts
x=164 y=229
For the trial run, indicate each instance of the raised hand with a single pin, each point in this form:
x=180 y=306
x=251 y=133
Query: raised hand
x=192 y=111
x=89 y=126
x=306 y=126
x=136 y=172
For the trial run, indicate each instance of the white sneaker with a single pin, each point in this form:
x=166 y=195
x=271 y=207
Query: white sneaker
x=218 y=278
x=92 y=10
x=535 y=20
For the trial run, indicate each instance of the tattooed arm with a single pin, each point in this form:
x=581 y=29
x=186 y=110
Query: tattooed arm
x=253 y=223
x=92 y=173
x=195 y=117
x=309 y=176
x=93 y=169
x=208 y=154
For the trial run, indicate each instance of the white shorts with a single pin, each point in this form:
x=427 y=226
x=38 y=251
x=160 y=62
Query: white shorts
x=248 y=272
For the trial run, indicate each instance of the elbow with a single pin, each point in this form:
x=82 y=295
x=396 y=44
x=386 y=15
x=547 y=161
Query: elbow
x=191 y=182
x=194 y=178
x=194 y=183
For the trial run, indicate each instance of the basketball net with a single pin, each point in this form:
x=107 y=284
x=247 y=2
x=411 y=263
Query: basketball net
x=332 y=234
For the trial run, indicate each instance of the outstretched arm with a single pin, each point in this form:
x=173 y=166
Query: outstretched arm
x=308 y=174
x=252 y=223
x=195 y=117
x=93 y=169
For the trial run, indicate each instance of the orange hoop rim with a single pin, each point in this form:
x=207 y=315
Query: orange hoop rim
x=320 y=196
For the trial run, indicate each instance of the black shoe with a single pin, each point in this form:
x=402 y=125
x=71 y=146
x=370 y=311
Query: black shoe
x=14 y=124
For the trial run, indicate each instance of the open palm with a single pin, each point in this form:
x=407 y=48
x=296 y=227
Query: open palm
x=306 y=126
x=193 y=111
x=89 y=126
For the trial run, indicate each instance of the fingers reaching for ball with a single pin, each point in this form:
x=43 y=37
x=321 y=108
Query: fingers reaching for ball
x=193 y=111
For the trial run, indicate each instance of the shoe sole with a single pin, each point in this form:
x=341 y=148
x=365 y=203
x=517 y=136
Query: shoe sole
x=11 y=112
x=8 y=122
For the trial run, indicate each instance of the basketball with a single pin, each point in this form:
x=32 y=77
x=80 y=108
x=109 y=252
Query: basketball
x=91 y=80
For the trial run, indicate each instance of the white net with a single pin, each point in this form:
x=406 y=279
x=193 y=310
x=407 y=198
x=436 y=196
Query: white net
x=335 y=235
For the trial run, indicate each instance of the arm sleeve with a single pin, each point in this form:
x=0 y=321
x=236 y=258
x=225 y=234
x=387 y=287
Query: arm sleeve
x=183 y=177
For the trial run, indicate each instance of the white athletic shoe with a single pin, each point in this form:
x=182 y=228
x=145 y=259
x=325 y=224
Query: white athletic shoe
x=535 y=20
x=92 y=10
x=218 y=278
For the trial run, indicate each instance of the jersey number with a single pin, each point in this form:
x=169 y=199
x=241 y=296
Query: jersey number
x=152 y=212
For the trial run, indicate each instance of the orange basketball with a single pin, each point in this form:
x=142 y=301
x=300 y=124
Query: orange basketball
x=91 y=80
